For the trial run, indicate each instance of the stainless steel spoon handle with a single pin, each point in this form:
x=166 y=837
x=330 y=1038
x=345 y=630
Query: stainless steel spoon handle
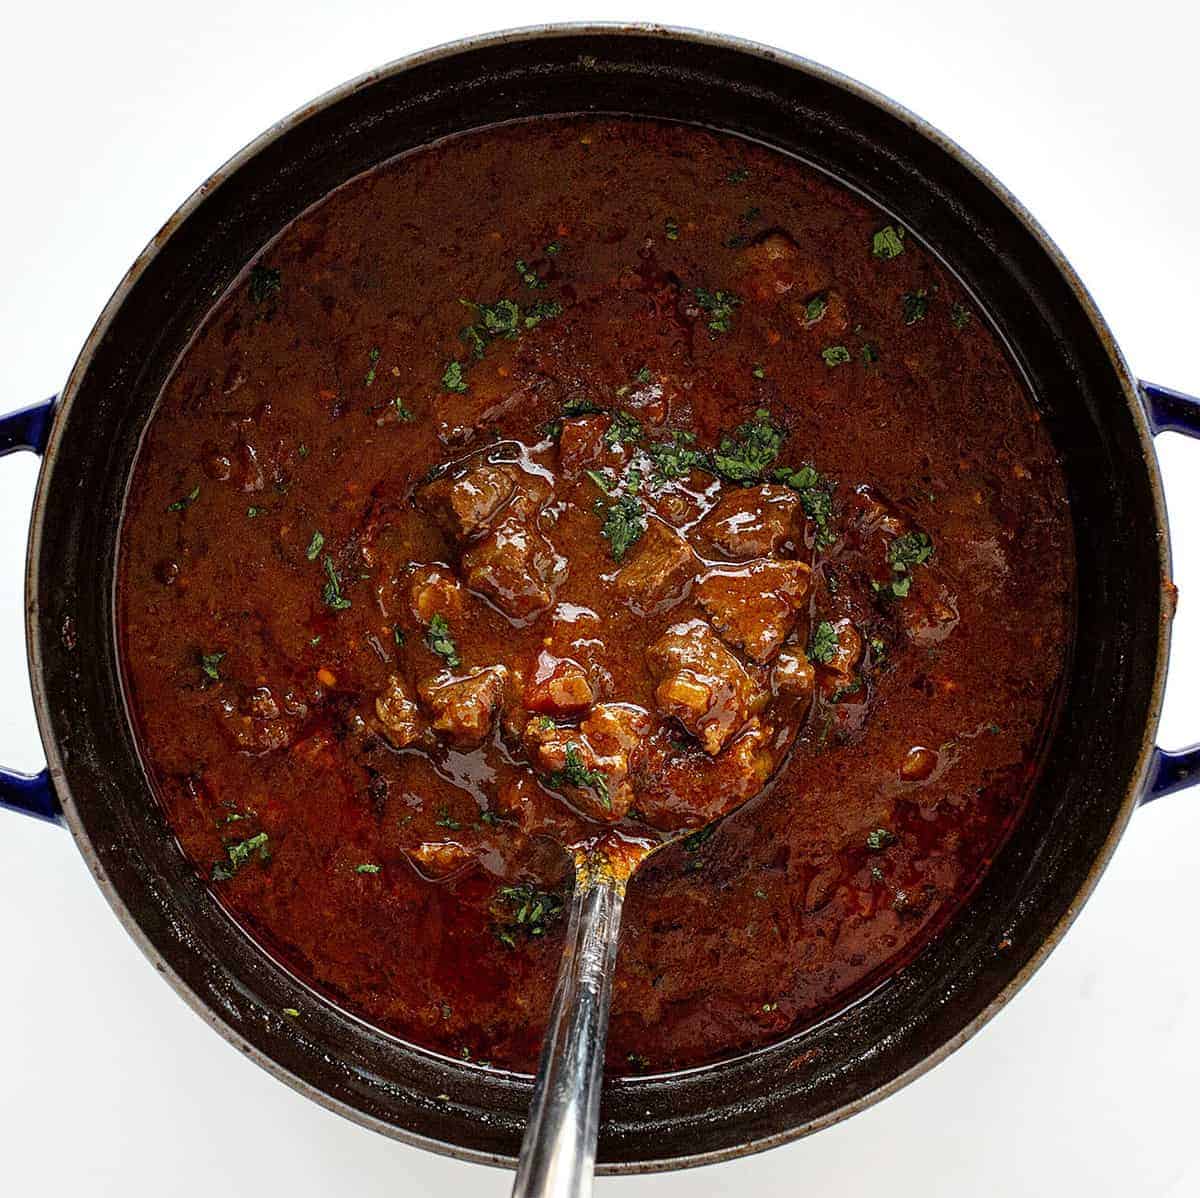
x=559 y=1151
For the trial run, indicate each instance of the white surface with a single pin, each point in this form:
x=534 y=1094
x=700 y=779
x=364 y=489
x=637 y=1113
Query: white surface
x=113 y=112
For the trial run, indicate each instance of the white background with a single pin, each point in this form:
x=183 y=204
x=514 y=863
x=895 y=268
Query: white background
x=111 y=113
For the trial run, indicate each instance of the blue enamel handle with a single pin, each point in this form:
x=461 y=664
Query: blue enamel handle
x=1172 y=412
x=32 y=794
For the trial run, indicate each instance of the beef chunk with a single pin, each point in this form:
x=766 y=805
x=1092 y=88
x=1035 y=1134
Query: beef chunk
x=434 y=591
x=754 y=522
x=464 y=707
x=522 y=799
x=398 y=713
x=439 y=859
x=590 y=764
x=754 y=606
x=774 y=264
x=581 y=442
x=466 y=505
x=702 y=684
x=793 y=675
x=516 y=568
x=659 y=570
x=558 y=686
x=929 y=614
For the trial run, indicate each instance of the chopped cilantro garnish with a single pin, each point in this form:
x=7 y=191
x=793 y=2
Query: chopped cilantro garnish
x=528 y=276
x=439 y=640
x=888 y=242
x=746 y=456
x=373 y=356
x=676 y=458
x=869 y=353
x=302 y=450
x=879 y=839
x=697 y=840
x=908 y=550
x=823 y=643
x=600 y=480
x=555 y=247
x=643 y=375
x=453 y=377
x=758 y=371
x=315 y=546
x=524 y=911
x=622 y=430
x=960 y=316
x=816 y=497
x=671 y=228
x=186 y=501
x=915 y=305
x=835 y=355
x=815 y=308
x=446 y=820
x=738 y=176
x=252 y=511
x=575 y=773
x=265 y=282
x=210 y=665
x=580 y=405
x=720 y=307
x=624 y=523
x=542 y=310
x=403 y=414
x=367 y=867
x=239 y=854
x=332 y=594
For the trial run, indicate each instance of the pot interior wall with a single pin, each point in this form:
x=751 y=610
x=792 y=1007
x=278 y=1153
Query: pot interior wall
x=1082 y=797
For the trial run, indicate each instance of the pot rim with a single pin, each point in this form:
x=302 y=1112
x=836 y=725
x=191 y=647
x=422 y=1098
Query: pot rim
x=532 y=34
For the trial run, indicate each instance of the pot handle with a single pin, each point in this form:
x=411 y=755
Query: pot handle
x=1172 y=412
x=28 y=429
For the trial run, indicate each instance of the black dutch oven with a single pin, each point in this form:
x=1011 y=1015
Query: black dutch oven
x=1100 y=765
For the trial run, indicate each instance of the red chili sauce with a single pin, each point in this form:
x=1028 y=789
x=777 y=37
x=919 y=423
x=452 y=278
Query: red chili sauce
x=593 y=474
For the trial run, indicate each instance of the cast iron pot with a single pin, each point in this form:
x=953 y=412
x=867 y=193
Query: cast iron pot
x=1100 y=764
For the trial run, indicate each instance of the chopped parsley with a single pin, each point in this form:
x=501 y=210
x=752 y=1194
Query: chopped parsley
x=960 y=316
x=697 y=840
x=453 y=377
x=816 y=497
x=446 y=820
x=555 y=247
x=239 y=854
x=367 y=867
x=403 y=414
x=622 y=430
x=909 y=550
x=604 y=484
x=528 y=275
x=915 y=305
x=373 y=357
x=251 y=512
x=265 y=282
x=671 y=228
x=575 y=773
x=888 y=242
x=869 y=353
x=720 y=307
x=815 y=307
x=624 y=523
x=675 y=459
x=542 y=310
x=758 y=371
x=879 y=839
x=315 y=546
x=835 y=355
x=738 y=176
x=524 y=911
x=643 y=375
x=210 y=666
x=439 y=640
x=186 y=501
x=747 y=455
x=823 y=643
x=332 y=594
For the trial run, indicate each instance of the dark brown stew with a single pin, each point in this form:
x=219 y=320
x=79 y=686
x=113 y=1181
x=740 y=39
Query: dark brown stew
x=585 y=478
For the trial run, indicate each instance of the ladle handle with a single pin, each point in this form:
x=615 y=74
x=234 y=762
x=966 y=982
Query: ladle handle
x=559 y=1151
